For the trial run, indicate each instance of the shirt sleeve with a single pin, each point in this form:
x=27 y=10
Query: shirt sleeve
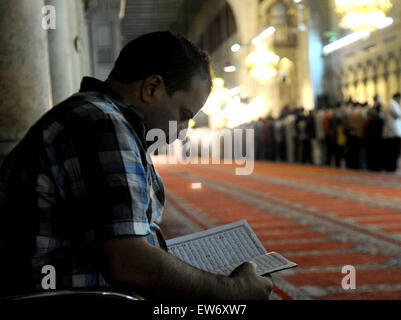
x=107 y=178
x=395 y=109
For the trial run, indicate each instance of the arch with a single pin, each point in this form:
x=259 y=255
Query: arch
x=278 y=13
x=380 y=66
x=360 y=72
x=222 y=27
x=392 y=75
x=392 y=65
x=381 y=88
x=370 y=70
x=392 y=84
x=351 y=91
x=245 y=13
x=351 y=75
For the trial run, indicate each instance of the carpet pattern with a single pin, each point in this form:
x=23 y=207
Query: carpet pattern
x=321 y=218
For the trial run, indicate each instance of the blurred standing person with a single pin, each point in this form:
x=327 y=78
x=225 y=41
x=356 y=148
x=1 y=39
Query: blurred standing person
x=354 y=138
x=310 y=135
x=283 y=147
x=259 y=142
x=272 y=140
x=265 y=138
x=285 y=112
x=301 y=135
x=363 y=116
x=320 y=137
x=377 y=103
x=392 y=133
x=339 y=134
x=290 y=136
x=346 y=121
x=329 y=136
x=374 y=136
x=278 y=123
x=298 y=141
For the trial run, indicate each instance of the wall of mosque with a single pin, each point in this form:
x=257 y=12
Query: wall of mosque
x=367 y=67
x=292 y=87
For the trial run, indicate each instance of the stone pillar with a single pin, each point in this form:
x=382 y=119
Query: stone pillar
x=318 y=23
x=303 y=73
x=24 y=70
x=60 y=53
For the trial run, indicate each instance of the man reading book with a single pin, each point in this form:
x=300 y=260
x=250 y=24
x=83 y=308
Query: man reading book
x=80 y=193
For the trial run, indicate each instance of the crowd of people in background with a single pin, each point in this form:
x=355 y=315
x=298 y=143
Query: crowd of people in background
x=350 y=134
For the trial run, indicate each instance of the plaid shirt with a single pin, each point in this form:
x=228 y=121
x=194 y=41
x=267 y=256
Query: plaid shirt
x=81 y=175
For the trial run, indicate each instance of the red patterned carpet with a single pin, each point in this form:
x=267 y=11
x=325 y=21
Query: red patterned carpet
x=321 y=218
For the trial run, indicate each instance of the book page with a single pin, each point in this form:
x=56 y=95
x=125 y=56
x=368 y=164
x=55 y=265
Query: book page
x=267 y=263
x=220 y=250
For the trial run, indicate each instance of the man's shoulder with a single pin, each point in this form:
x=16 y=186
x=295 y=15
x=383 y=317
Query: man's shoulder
x=89 y=106
x=79 y=113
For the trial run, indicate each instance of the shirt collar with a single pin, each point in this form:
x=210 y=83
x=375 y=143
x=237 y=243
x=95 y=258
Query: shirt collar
x=132 y=114
x=92 y=84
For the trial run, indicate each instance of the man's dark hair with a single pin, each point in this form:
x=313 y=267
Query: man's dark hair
x=176 y=59
x=397 y=96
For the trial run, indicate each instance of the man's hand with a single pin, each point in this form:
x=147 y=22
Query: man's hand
x=131 y=263
x=251 y=285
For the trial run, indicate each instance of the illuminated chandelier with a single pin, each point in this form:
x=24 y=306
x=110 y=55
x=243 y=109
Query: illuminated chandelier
x=262 y=63
x=362 y=14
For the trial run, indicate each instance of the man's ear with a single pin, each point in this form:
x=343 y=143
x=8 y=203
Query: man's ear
x=153 y=89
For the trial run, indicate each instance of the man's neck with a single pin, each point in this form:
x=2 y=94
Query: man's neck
x=129 y=91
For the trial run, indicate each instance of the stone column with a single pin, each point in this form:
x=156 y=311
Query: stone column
x=303 y=74
x=318 y=24
x=24 y=70
x=60 y=53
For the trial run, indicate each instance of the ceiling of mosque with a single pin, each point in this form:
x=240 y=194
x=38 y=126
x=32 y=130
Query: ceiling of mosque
x=143 y=16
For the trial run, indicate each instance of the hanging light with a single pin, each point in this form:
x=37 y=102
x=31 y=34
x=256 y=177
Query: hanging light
x=229 y=67
x=362 y=14
x=262 y=62
x=263 y=73
x=264 y=35
x=235 y=47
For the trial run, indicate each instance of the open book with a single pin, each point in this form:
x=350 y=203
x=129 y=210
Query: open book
x=220 y=250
